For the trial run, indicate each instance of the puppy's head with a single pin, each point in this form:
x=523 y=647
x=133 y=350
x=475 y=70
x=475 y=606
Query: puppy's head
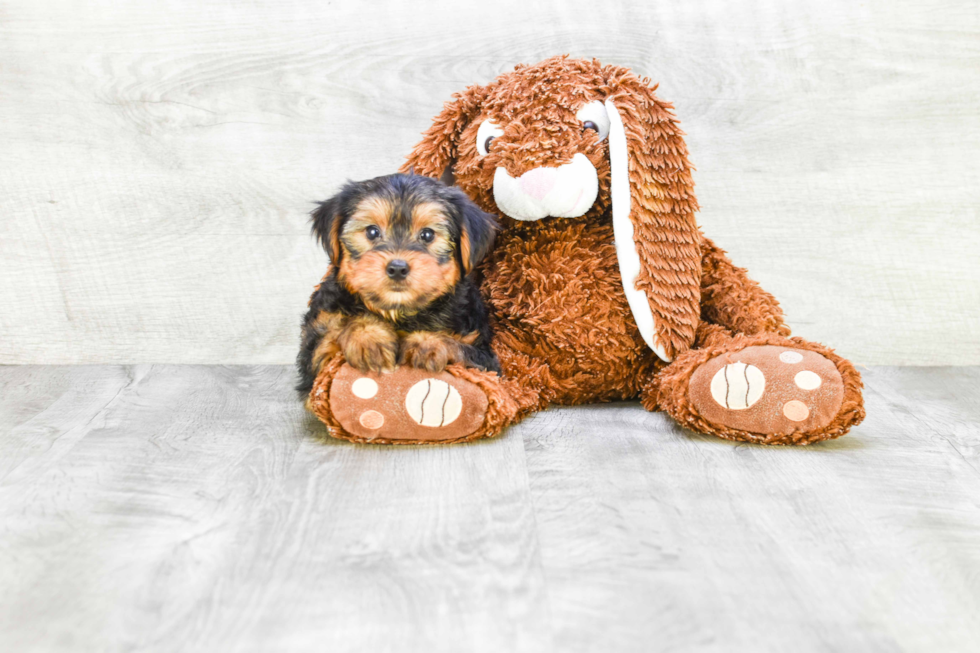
x=401 y=241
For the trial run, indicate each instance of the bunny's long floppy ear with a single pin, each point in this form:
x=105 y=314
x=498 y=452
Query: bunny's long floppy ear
x=653 y=207
x=435 y=154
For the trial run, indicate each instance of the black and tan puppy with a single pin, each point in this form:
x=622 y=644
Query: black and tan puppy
x=399 y=289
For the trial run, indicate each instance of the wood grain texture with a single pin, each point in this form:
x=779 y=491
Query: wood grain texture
x=196 y=508
x=159 y=159
x=163 y=508
x=868 y=543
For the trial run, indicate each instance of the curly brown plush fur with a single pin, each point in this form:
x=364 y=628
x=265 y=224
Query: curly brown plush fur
x=564 y=330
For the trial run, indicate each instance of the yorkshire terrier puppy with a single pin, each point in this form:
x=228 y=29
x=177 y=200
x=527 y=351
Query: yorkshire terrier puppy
x=399 y=288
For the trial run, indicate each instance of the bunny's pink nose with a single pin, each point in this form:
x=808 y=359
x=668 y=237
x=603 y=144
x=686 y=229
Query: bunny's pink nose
x=539 y=181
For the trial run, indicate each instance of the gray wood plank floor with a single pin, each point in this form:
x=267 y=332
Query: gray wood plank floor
x=195 y=508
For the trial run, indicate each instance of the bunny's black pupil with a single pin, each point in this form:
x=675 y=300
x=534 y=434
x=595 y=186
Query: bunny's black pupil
x=588 y=124
x=486 y=144
x=373 y=232
x=426 y=235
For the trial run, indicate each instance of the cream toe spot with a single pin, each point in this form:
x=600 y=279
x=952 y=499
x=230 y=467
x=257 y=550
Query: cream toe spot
x=796 y=410
x=364 y=388
x=807 y=380
x=791 y=357
x=737 y=386
x=372 y=419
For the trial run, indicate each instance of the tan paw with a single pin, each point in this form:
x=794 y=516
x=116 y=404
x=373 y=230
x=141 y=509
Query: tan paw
x=369 y=345
x=429 y=351
x=407 y=404
x=768 y=390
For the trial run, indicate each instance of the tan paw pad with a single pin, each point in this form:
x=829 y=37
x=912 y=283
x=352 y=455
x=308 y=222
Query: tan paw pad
x=371 y=419
x=796 y=410
x=406 y=404
x=768 y=390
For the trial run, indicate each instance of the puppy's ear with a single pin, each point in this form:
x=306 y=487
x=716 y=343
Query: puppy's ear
x=658 y=242
x=435 y=154
x=476 y=230
x=326 y=226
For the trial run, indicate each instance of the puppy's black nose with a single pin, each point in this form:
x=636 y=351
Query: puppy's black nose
x=397 y=270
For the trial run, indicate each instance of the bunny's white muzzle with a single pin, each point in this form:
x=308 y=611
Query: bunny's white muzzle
x=567 y=191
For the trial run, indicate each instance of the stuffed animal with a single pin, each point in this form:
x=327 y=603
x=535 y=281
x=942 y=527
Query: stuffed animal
x=601 y=286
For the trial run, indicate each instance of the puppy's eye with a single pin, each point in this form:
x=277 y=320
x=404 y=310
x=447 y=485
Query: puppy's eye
x=485 y=135
x=427 y=235
x=372 y=233
x=593 y=116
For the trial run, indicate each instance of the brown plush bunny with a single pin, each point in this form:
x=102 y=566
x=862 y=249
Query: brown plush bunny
x=601 y=285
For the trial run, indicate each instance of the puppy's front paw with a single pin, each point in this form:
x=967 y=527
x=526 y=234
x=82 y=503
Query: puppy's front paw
x=371 y=356
x=370 y=346
x=429 y=351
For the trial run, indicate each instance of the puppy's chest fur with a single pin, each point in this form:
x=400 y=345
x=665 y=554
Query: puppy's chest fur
x=460 y=311
x=555 y=292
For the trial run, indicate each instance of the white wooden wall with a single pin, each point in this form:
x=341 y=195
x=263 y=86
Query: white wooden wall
x=157 y=159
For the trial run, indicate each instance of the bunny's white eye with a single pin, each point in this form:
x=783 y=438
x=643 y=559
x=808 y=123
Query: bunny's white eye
x=593 y=116
x=485 y=135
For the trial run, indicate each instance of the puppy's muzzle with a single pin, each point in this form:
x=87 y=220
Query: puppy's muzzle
x=397 y=270
x=567 y=191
